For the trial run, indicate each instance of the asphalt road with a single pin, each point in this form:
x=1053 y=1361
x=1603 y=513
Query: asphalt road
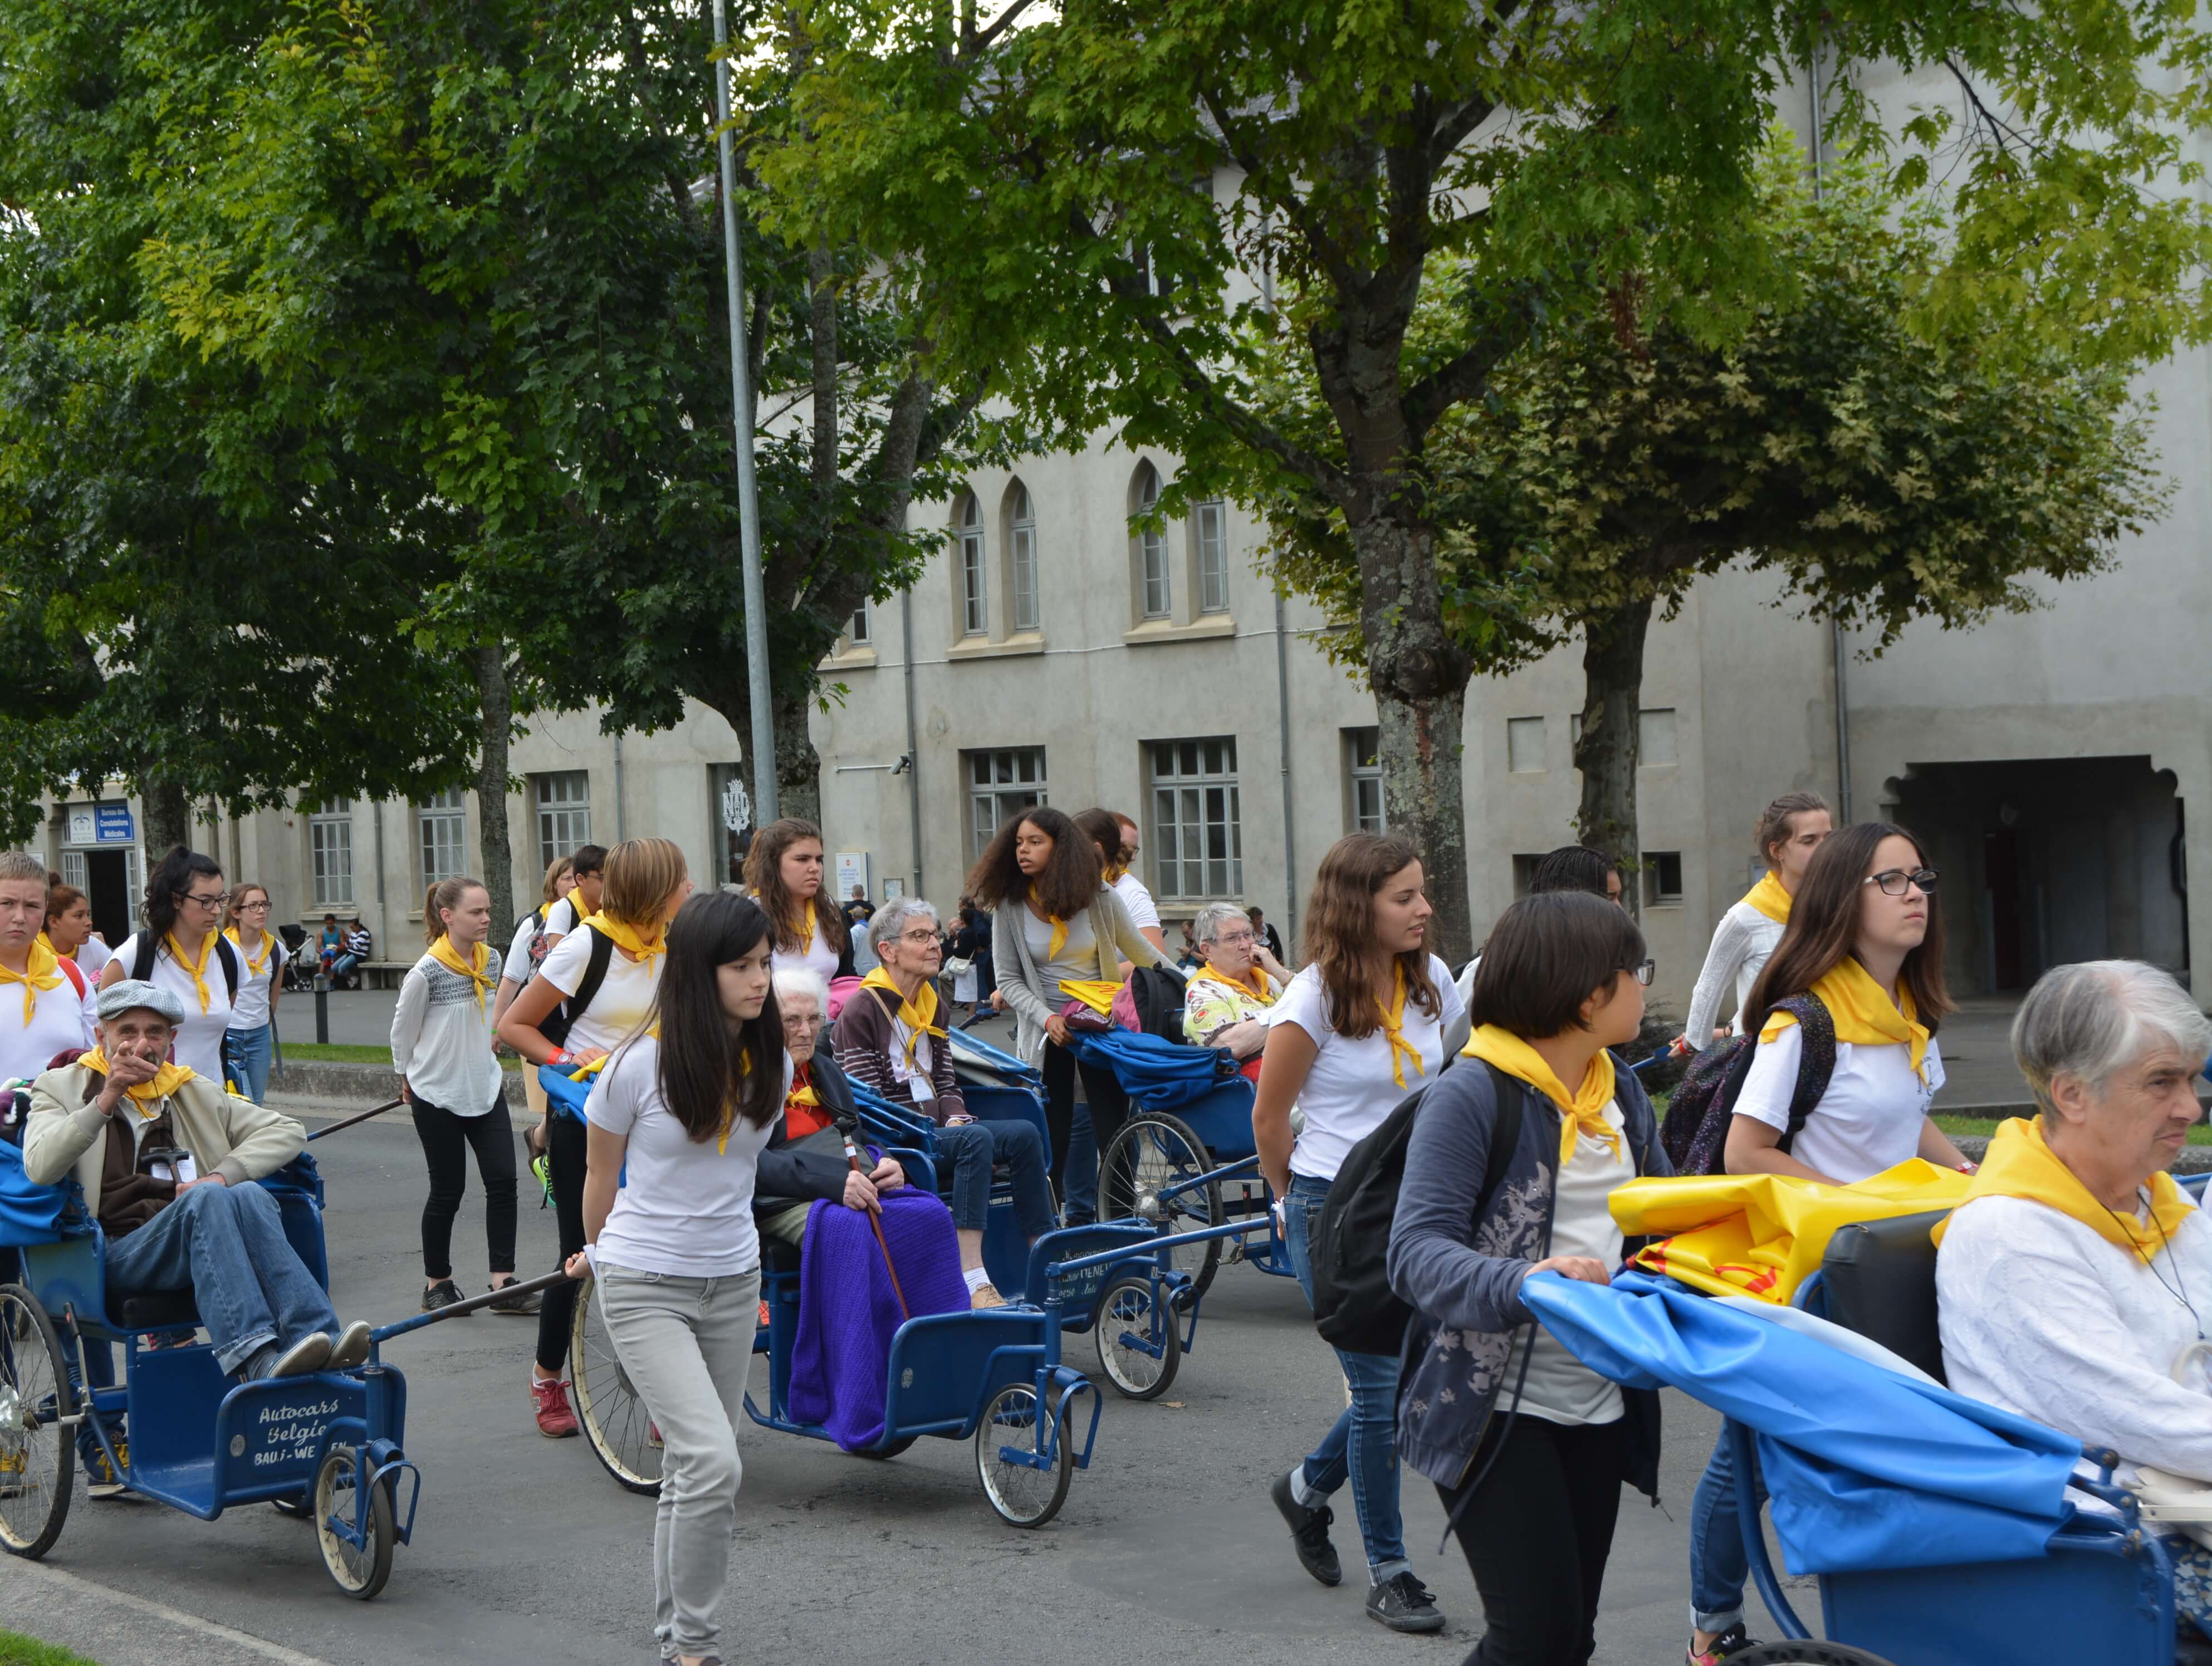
x=523 y=1551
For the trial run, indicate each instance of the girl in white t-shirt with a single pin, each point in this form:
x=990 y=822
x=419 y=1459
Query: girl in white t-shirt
x=1358 y=1029
x=261 y=955
x=672 y=1243
x=784 y=873
x=69 y=933
x=45 y=1005
x=184 y=905
x=645 y=882
x=520 y=964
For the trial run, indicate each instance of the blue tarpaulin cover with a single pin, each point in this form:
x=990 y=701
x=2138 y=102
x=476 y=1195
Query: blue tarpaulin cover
x=1868 y=1469
x=28 y=1213
x=1154 y=1071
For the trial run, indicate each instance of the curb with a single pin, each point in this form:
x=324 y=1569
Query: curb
x=369 y=1083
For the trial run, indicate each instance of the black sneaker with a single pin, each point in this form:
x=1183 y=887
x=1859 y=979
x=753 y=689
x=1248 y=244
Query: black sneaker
x=523 y=1303
x=1403 y=1603
x=444 y=1294
x=1732 y=1641
x=1309 y=1527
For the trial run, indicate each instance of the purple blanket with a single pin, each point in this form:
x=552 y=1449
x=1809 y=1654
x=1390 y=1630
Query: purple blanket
x=847 y=1314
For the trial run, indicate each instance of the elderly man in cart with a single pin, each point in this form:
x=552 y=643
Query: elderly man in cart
x=166 y=1159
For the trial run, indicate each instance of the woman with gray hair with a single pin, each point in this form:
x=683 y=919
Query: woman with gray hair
x=1226 y=1000
x=2075 y=1281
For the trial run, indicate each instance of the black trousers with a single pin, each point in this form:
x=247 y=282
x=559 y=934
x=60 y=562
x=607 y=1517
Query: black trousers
x=566 y=1144
x=446 y=1141
x=1101 y=1091
x=1537 y=1536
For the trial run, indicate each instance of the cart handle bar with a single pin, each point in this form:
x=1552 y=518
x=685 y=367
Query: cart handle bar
x=1147 y=1247
x=524 y=1288
x=393 y=1105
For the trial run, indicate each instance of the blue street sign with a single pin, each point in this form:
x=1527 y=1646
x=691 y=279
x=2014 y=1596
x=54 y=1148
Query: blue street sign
x=112 y=825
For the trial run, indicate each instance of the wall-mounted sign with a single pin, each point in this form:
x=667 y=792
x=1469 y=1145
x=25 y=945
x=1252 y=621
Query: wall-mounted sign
x=851 y=869
x=112 y=825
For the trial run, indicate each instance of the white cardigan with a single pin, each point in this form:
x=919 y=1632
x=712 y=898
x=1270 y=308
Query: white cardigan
x=1743 y=942
x=442 y=1038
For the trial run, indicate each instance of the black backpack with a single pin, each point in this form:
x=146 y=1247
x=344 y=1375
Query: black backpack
x=1158 y=995
x=555 y=1025
x=142 y=961
x=1695 y=1132
x=1348 y=1245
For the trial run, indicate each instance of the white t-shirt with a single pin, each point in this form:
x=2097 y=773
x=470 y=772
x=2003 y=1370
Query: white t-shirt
x=198 y=1046
x=251 y=1011
x=685 y=1208
x=516 y=966
x=1351 y=1088
x=1143 y=911
x=623 y=998
x=91 y=956
x=819 y=957
x=1560 y=1388
x=60 y=1019
x=1869 y=1120
x=561 y=918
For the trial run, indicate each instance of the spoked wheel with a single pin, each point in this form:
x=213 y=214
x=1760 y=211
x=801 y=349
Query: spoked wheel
x=607 y=1404
x=1146 y=1174
x=1137 y=1362
x=1022 y=1496
x=1806 y=1654
x=360 y=1569
x=38 y=1457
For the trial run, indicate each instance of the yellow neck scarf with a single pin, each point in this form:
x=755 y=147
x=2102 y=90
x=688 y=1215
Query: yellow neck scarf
x=170 y=1077
x=1257 y=985
x=1581 y=1112
x=472 y=969
x=41 y=970
x=730 y=1110
x=1770 y=899
x=2019 y=1163
x=918 y=1015
x=1393 y=1020
x=804 y=925
x=627 y=938
x=1058 y=927
x=1864 y=1014
x=253 y=966
x=197 y=968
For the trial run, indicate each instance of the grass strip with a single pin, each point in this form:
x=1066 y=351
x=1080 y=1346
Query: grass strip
x=16 y=1650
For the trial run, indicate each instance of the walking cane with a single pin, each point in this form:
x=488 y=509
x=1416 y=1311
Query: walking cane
x=876 y=1220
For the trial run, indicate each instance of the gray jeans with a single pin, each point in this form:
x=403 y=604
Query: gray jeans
x=686 y=1345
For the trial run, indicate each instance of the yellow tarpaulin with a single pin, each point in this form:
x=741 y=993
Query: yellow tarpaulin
x=1764 y=1235
x=1093 y=992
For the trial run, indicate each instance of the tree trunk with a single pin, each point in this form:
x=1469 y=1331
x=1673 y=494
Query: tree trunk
x=169 y=817
x=496 y=847
x=1419 y=678
x=797 y=766
x=1607 y=752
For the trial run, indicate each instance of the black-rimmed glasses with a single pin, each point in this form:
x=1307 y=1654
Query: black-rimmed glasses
x=1896 y=881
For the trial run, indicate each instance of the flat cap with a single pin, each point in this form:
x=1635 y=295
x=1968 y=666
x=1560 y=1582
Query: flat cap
x=116 y=998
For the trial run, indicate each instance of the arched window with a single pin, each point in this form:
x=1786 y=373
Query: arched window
x=1155 y=596
x=1022 y=558
x=968 y=531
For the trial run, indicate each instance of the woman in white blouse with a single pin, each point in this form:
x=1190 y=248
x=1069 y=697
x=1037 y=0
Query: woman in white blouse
x=1357 y=1030
x=46 y=1006
x=182 y=950
x=1790 y=830
x=253 y=1035
x=786 y=872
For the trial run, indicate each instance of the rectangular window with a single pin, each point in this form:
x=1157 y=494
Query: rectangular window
x=74 y=871
x=1362 y=751
x=1001 y=784
x=857 y=632
x=564 y=814
x=1655 y=736
x=329 y=849
x=1210 y=523
x=1198 y=839
x=1524 y=744
x=441 y=832
x=1158 y=599
x=1023 y=555
x=1663 y=878
x=974 y=613
x=1524 y=870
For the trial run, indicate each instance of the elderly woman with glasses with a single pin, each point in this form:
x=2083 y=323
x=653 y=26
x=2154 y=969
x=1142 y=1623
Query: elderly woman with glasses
x=2075 y=1281
x=1226 y=1000
x=890 y=1040
x=804 y=1156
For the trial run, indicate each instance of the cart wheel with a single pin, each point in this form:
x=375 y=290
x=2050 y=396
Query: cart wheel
x=300 y=1508
x=614 y=1418
x=1806 y=1654
x=1138 y=1363
x=1022 y=1496
x=360 y=1569
x=1155 y=1154
x=889 y=1449
x=38 y=1455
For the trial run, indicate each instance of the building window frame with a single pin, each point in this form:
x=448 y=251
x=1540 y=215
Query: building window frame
x=999 y=783
x=560 y=804
x=1149 y=539
x=1362 y=780
x=1527 y=744
x=1197 y=837
x=441 y=836
x=1209 y=531
x=1663 y=878
x=969 y=555
x=329 y=854
x=1026 y=615
x=858 y=630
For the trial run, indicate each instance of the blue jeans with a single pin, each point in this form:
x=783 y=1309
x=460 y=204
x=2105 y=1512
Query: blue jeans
x=1082 y=1173
x=246 y=1056
x=1363 y=1442
x=225 y=1244
x=973 y=1146
x=1718 y=1566
x=342 y=965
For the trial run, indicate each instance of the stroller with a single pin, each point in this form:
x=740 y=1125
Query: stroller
x=300 y=962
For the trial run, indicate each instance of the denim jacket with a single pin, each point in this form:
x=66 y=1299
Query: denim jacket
x=1463 y=1279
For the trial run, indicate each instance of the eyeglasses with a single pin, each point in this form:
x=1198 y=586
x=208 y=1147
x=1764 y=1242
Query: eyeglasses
x=1236 y=939
x=920 y=935
x=214 y=901
x=262 y=904
x=1895 y=881
x=1642 y=971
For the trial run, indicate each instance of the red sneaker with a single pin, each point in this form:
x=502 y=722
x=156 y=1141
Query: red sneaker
x=556 y=1421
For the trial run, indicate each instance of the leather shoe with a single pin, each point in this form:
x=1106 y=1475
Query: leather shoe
x=351 y=1347
x=310 y=1353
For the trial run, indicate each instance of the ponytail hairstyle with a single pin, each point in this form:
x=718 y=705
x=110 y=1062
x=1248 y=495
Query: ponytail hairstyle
x=1777 y=822
x=235 y=907
x=1339 y=934
x=641 y=874
x=764 y=878
x=1824 y=928
x=1103 y=829
x=172 y=878
x=60 y=899
x=445 y=894
x=711 y=1066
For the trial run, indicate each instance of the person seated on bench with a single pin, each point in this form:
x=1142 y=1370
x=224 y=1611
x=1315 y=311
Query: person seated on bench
x=1226 y=1003
x=804 y=1156
x=357 y=948
x=2076 y=1273
x=167 y=1160
x=888 y=1041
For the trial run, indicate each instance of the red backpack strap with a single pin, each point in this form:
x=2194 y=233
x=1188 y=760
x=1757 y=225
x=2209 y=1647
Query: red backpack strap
x=76 y=976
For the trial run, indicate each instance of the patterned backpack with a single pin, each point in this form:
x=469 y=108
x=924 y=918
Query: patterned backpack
x=1695 y=1132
